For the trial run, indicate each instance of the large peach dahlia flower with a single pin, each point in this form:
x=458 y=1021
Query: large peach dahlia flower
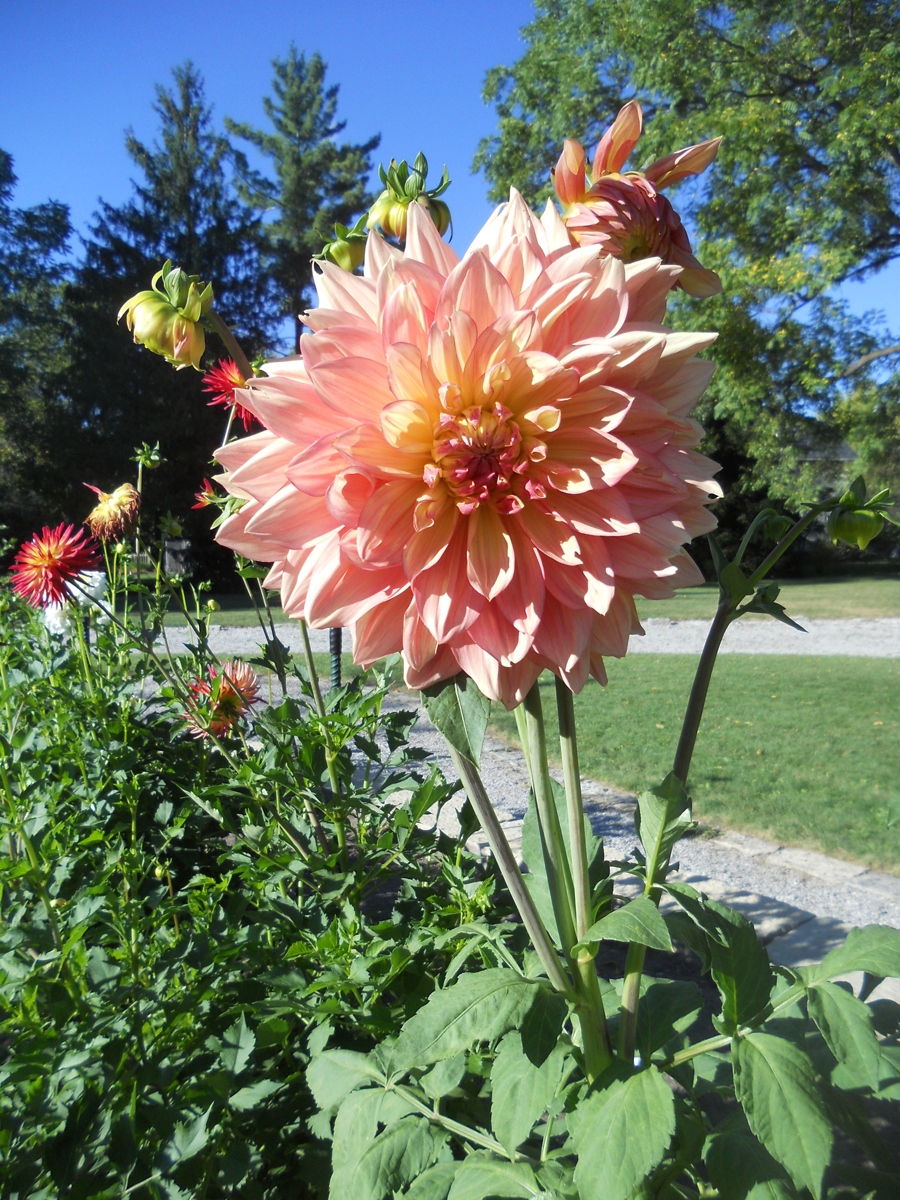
x=479 y=462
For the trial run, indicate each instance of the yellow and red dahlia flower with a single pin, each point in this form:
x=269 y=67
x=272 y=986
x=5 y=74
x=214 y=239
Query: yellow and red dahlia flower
x=624 y=215
x=222 y=699
x=44 y=567
x=115 y=513
x=480 y=462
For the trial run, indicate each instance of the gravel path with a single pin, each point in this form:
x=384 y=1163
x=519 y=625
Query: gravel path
x=780 y=889
x=878 y=638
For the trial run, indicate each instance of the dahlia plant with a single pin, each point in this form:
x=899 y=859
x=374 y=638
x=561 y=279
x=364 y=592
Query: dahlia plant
x=477 y=463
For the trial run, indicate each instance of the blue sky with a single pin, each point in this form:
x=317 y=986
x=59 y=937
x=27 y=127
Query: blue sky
x=78 y=72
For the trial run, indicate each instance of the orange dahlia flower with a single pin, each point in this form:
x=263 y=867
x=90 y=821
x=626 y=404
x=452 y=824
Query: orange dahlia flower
x=223 y=700
x=625 y=215
x=45 y=566
x=479 y=462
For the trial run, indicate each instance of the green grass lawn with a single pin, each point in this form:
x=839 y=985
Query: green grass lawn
x=803 y=750
x=871 y=597
x=816 y=598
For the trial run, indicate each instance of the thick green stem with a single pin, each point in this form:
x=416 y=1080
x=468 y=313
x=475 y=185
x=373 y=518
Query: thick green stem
x=559 y=878
x=231 y=342
x=509 y=869
x=594 y=1034
x=600 y=1053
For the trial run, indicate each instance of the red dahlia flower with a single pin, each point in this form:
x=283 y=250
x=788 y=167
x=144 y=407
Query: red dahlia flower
x=45 y=565
x=624 y=215
x=224 y=379
x=479 y=462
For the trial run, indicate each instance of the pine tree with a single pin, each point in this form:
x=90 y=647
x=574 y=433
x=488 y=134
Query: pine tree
x=316 y=181
x=33 y=245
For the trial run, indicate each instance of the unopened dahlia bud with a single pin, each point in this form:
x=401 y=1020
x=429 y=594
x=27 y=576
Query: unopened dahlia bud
x=115 y=514
x=348 y=247
x=405 y=185
x=855 y=528
x=167 y=319
x=623 y=212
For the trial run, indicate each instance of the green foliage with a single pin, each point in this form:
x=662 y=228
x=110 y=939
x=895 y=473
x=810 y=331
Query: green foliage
x=800 y=198
x=175 y=942
x=317 y=182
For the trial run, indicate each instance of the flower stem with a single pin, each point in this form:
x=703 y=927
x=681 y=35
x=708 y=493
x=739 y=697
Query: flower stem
x=594 y=1034
x=597 y=1047
x=556 y=863
x=231 y=342
x=509 y=869
x=339 y=830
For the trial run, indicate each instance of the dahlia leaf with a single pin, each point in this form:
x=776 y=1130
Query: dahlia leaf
x=460 y=712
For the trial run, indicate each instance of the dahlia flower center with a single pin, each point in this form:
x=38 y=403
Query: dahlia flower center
x=477 y=452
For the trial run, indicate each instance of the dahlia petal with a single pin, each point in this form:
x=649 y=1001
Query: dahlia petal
x=680 y=392
x=339 y=593
x=265 y=473
x=419 y=645
x=407 y=425
x=340 y=289
x=313 y=469
x=611 y=632
x=491 y=556
x=692 y=160
x=232 y=533
x=564 y=640
x=604 y=512
x=411 y=378
x=508 y=336
x=447 y=602
x=435 y=524
x=347 y=341
x=357 y=388
x=442 y=666
x=236 y=453
x=649 y=282
x=403 y=318
x=556 y=236
x=379 y=632
x=493 y=633
x=449 y=348
x=476 y=288
x=523 y=604
x=291 y=409
x=291 y=520
x=366 y=445
x=378 y=254
x=550 y=535
x=569 y=178
x=698 y=281
x=347 y=496
x=386 y=523
x=619 y=140
x=424 y=243
x=505 y=685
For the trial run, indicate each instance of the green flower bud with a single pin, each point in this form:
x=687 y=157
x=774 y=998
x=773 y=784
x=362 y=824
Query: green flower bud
x=854 y=528
x=405 y=185
x=167 y=320
x=348 y=248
